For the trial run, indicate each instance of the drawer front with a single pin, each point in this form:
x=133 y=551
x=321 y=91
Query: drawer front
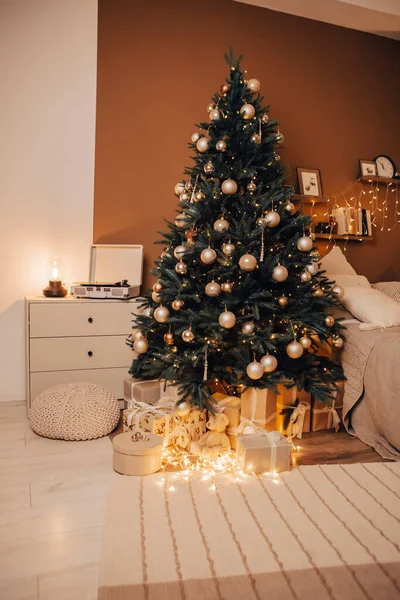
x=112 y=379
x=67 y=354
x=80 y=318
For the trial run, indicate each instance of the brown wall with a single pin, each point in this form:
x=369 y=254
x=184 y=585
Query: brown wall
x=335 y=92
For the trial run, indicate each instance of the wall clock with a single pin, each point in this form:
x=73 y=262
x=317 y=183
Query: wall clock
x=385 y=167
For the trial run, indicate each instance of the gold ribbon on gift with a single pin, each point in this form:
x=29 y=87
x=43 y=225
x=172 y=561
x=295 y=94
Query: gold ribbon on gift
x=333 y=416
x=140 y=409
x=296 y=423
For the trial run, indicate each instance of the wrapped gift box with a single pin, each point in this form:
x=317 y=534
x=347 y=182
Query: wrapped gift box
x=141 y=391
x=137 y=454
x=293 y=411
x=230 y=406
x=328 y=417
x=260 y=452
x=259 y=406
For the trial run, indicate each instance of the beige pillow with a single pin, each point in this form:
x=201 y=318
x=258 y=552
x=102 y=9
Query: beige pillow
x=390 y=288
x=335 y=263
x=352 y=280
x=371 y=306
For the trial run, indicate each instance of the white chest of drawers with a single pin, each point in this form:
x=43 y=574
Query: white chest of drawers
x=71 y=339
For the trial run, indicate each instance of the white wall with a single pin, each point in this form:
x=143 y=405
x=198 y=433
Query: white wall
x=48 y=53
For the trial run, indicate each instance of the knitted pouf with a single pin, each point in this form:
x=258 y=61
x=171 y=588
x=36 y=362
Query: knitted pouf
x=74 y=411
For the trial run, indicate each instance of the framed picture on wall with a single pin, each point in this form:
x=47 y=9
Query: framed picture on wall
x=309 y=182
x=367 y=168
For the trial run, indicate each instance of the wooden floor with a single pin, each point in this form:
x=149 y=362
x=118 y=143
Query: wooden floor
x=52 y=505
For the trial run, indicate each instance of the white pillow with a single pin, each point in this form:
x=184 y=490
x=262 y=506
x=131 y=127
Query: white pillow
x=351 y=280
x=335 y=263
x=371 y=306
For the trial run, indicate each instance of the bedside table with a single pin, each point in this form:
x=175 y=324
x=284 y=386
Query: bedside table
x=74 y=339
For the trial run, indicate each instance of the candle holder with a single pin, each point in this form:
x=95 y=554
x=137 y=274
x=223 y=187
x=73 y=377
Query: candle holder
x=55 y=289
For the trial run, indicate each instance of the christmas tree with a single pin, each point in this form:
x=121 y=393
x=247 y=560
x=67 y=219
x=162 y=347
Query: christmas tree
x=239 y=298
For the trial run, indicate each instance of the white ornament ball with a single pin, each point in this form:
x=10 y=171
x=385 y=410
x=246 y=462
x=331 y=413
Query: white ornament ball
x=180 y=251
x=338 y=342
x=229 y=186
x=305 y=341
x=221 y=146
x=180 y=221
x=182 y=409
x=247 y=111
x=181 y=267
x=203 y=144
x=269 y=363
x=184 y=197
x=156 y=297
x=329 y=321
x=215 y=115
x=337 y=291
x=313 y=268
x=208 y=256
x=221 y=225
x=179 y=188
x=228 y=249
x=305 y=276
x=248 y=328
x=273 y=219
x=227 y=319
x=161 y=314
x=254 y=85
x=137 y=335
x=212 y=289
x=247 y=262
x=141 y=346
x=289 y=207
x=304 y=244
x=195 y=136
x=255 y=370
x=294 y=349
x=280 y=273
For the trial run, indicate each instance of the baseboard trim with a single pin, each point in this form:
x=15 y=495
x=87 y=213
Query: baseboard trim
x=12 y=398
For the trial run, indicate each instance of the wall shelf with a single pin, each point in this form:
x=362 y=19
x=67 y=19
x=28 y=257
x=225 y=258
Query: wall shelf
x=308 y=199
x=376 y=179
x=349 y=237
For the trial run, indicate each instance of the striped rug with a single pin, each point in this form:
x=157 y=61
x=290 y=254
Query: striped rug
x=330 y=531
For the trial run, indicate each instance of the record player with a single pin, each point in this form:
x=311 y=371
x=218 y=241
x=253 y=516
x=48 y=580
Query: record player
x=115 y=272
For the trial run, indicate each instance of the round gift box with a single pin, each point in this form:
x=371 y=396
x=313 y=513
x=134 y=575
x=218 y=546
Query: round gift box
x=137 y=453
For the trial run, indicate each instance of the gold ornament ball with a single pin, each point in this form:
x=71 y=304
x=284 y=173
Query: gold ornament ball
x=283 y=301
x=188 y=335
x=184 y=197
x=261 y=222
x=148 y=312
x=227 y=287
x=180 y=251
x=221 y=225
x=212 y=289
x=179 y=188
x=247 y=262
x=227 y=319
x=182 y=409
x=225 y=88
x=221 y=146
x=318 y=292
x=215 y=115
x=181 y=267
x=210 y=106
x=199 y=197
x=329 y=321
x=304 y=244
x=255 y=370
x=264 y=118
x=251 y=187
x=228 y=249
x=305 y=276
x=208 y=256
x=137 y=335
x=208 y=167
x=338 y=342
x=255 y=138
x=269 y=363
x=203 y=144
x=157 y=287
x=161 y=314
x=280 y=273
x=305 y=341
x=289 y=207
x=180 y=221
x=273 y=218
x=229 y=186
x=177 y=304
x=247 y=111
x=195 y=136
x=169 y=338
x=156 y=297
x=141 y=346
x=312 y=268
x=248 y=328
x=279 y=138
x=253 y=85
x=294 y=349
x=337 y=291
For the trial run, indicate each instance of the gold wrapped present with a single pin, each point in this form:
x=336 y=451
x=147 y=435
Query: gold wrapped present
x=259 y=407
x=261 y=451
x=139 y=390
x=293 y=411
x=230 y=406
x=328 y=416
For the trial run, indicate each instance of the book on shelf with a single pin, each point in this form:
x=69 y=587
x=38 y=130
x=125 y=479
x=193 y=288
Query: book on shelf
x=353 y=221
